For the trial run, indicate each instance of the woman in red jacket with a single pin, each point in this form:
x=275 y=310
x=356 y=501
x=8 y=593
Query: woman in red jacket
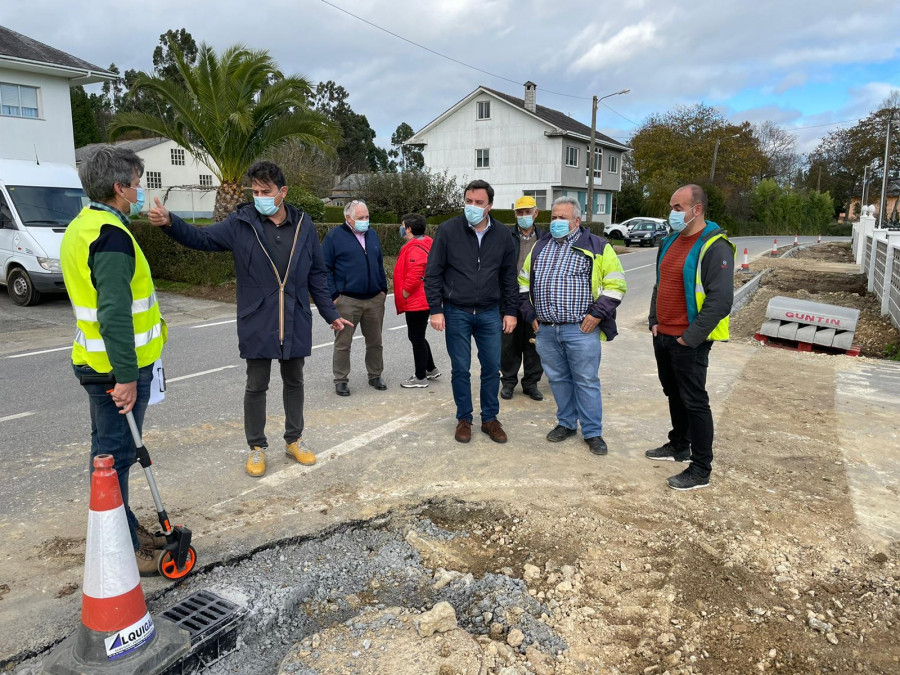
x=409 y=296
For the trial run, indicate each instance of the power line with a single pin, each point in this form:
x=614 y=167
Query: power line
x=444 y=56
x=830 y=124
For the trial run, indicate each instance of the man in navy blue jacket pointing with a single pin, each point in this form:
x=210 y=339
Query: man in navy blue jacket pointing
x=358 y=285
x=278 y=265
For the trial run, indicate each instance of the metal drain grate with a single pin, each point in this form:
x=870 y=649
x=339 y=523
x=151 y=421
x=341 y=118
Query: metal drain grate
x=212 y=622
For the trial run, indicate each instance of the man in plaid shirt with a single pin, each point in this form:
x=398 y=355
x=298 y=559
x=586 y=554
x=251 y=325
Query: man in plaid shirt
x=569 y=287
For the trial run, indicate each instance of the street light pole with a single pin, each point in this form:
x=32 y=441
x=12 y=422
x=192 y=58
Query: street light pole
x=884 y=180
x=712 y=171
x=589 y=210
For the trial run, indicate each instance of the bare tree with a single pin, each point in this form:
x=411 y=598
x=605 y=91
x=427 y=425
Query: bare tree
x=780 y=150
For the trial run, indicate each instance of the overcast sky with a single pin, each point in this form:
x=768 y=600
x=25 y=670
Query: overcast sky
x=798 y=63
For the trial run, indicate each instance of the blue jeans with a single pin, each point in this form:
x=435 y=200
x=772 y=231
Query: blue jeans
x=571 y=361
x=110 y=434
x=486 y=327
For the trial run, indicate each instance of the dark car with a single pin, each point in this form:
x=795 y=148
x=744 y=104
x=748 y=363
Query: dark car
x=647 y=233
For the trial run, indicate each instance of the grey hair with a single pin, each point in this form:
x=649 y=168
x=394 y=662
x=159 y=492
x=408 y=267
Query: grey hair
x=352 y=205
x=576 y=207
x=107 y=166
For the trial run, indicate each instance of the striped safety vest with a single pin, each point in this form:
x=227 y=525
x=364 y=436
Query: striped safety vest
x=149 y=327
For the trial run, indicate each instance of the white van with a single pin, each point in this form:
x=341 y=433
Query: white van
x=37 y=202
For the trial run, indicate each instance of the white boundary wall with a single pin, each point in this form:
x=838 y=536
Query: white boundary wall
x=878 y=254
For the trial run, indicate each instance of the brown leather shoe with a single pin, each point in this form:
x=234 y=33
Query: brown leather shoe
x=463 y=431
x=495 y=430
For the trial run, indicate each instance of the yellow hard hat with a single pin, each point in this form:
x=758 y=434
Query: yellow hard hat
x=525 y=203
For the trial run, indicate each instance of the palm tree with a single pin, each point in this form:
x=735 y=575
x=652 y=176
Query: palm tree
x=227 y=112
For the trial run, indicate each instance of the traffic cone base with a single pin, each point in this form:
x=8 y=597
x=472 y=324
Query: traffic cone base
x=117 y=633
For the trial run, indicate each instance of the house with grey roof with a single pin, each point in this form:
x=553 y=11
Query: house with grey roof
x=522 y=148
x=35 y=110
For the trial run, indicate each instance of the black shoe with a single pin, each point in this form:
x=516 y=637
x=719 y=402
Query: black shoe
x=596 y=445
x=506 y=392
x=341 y=389
x=689 y=479
x=534 y=393
x=378 y=383
x=560 y=433
x=667 y=453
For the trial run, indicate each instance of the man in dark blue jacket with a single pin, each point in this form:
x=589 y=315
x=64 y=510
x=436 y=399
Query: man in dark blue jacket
x=278 y=264
x=471 y=288
x=358 y=285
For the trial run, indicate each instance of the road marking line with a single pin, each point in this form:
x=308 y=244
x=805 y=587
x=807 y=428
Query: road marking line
x=205 y=372
x=43 y=351
x=295 y=471
x=217 y=323
x=16 y=417
x=396 y=327
x=641 y=267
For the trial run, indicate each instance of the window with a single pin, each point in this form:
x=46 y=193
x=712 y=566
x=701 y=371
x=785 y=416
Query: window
x=613 y=164
x=484 y=110
x=601 y=205
x=540 y=197
x=483 y=158
x=177 y=156
x=571 y=156
x=18 y=101
x=598 y=165
x=205 y=180
x=154 y=180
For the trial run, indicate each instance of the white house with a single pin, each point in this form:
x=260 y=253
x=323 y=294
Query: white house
x=186 y=186
x=35 y=110
x=522 y=148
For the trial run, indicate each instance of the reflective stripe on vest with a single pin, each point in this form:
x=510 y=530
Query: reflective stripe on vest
x=138 y=306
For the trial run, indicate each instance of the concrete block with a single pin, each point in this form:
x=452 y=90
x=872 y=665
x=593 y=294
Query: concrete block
x=788 y=330
x=824 y=337
x=806 y=333
x=770 y=328
x=843 y=340
x=816 y=313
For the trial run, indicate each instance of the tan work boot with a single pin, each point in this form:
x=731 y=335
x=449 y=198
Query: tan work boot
x=149 y=540
x=300 y=452
x=147 y=561
x=256 y=462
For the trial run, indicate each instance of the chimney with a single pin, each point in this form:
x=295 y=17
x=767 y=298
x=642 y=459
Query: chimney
x=531 y=96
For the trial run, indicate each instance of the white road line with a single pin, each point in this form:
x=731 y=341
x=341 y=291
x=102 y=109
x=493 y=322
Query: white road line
x=205 y=372
x=396 y=327
x=295 y=471
x=16 y=417
x=217 y=323
x=43 y=351
x=641 y=267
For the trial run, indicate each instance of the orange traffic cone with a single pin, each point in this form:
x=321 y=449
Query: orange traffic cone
x=745 y=266
x=775 y=248
x=795 y=240
x=819 y=240
x=117 y=633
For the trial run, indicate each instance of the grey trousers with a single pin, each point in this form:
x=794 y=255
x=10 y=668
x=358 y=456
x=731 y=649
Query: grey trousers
x=258 y=371
x=369 y=316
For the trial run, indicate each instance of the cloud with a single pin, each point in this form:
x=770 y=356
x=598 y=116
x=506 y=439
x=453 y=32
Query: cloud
x=791 y=81
x=622 y=46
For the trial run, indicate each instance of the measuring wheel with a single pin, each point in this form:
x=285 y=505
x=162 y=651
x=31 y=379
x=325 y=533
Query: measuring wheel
x=168 y=568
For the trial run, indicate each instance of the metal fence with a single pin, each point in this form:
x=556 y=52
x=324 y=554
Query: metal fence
x=880 y=263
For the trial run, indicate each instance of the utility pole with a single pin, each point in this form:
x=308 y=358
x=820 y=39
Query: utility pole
x=712 y=171
x=819 y=180
x=884 y=180
x=865 y=185
x=589 y=206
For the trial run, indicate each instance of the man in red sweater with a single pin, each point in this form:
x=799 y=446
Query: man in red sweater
x=688 y=311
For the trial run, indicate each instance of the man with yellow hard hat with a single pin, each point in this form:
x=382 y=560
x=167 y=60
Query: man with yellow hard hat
x=518 y=347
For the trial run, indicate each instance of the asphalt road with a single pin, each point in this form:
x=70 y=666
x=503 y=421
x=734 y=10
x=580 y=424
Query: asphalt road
x=43 y=411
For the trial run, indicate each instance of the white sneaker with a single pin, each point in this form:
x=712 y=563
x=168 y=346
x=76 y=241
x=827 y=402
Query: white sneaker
x=413 y=383
x=433 y=374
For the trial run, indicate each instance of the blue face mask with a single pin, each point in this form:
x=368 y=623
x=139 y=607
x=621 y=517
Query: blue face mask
x=402 y=232
x=361 y=226
x=265 y=205
x=559 y=228
x=137 y=206
x=525 y=222
x=677 y=222
x=474 y=214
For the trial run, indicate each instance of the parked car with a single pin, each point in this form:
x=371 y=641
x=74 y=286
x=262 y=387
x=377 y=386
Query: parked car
x=619 y=230
x=647 y=233
x=37 y=201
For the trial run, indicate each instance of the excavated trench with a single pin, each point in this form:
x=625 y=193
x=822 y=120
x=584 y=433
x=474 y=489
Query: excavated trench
x=404 y=562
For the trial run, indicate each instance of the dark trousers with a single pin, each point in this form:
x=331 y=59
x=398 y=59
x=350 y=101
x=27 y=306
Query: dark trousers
x=486 y=327
x=515 y=348
x=110 y=434
x=416 y=325
x=258 y=372
x=682 y=373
